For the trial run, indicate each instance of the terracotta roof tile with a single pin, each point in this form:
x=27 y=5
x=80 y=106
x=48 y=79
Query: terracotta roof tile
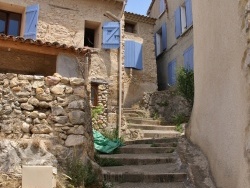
x=46 y=44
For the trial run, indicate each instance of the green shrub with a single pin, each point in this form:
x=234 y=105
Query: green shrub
x=112 y=135
x=95 y=111
x=106 y=161
x=80 y=173
x=185 y=84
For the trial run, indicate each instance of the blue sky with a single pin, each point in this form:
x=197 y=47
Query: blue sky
x=138 y=6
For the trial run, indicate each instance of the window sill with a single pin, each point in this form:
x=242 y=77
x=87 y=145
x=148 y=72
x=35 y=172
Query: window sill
x=186 y=31
x=161 y=14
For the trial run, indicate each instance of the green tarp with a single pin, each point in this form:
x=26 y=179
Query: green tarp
x=103 y=144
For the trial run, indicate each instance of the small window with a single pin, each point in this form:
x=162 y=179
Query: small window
x=10 y=23
x=158 y=38
x=92 y=34
x=183 y=19
x=129 y=27
x=161 y=39
x=94 y=94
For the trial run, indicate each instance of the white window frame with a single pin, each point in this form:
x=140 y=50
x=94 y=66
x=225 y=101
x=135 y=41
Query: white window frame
x=159 y=42
x=183 y=18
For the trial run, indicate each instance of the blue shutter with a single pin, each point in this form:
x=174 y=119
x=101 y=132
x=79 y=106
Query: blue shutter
x=129 y=54
x=111 y=35
x=189 y=58
x=162 y=6
x=178 y=22
x=155 y=45
x=169 y=74
x=138 y=56
x=32 y=13
x=189 y=16
x=133 y=55
x=164 y=36
x=172 y=73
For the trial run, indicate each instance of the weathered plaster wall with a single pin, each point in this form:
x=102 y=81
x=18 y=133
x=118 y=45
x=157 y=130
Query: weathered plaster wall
x=220 y=118
x=175 y=47
x=18 y=61
x=136 y=82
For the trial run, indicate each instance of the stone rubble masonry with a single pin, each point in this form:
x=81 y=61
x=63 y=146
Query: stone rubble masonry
x=167 y=105
x=101 y=121
x=41 y=107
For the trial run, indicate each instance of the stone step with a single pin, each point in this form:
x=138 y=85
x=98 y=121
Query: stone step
x=140 y=113
x=149 y=185
x=160 y=134
x=145 y=121
x=158 y=173
x=131 y=115
x=142 y=159
x=145 y=149
x=151 y=127
x=153 y=141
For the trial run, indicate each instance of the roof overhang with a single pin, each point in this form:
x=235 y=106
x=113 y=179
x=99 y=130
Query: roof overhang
x=139 y=18
x=37 y=46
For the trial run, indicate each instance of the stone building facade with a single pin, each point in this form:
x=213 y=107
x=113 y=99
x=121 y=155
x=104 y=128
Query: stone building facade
x=78 y=24
x=173 y=32
x=220 y=118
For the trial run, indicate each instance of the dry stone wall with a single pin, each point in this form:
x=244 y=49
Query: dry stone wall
x=167 y=105
x=52 y=107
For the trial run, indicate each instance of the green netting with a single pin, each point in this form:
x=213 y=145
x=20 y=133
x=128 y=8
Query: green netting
x=103 y=144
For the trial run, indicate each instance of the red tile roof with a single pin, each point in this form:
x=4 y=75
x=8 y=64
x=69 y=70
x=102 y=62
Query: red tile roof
x=55 y=45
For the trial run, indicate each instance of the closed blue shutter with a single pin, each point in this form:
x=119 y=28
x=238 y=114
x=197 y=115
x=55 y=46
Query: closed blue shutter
x=129 y=54
x=111 y=35
x=162 y=6
x=178 y=22
x=172 y=73
x=133 y=55
x=155 y=45
x=138 y=56
x=189 y=58
x=189 y=16
x=32 y=13
x=164 y=36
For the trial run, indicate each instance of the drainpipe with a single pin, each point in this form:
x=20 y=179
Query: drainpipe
x=120 y=73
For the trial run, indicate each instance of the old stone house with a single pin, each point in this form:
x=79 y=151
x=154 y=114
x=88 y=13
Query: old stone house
x=92 y=39
x=173 y=34
x=220 y=118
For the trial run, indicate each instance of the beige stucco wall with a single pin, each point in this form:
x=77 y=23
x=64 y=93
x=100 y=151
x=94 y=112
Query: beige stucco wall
x=220 y=123
x=136 y=82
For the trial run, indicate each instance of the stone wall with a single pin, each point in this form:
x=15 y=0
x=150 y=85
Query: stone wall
x=166 y=105
x=53 y=108
x=100 y=112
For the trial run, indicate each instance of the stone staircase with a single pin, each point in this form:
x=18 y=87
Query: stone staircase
x=148 y=163
x=150 y=128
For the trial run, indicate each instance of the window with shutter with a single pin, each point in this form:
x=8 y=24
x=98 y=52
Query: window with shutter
x=111 y=35
x=189 y=58
x=161 y=40
x=31 y=21
x=172 y=73
x=10 y=23
x=162 y=6
x=183 y=18
x=189 y=15
x=178 y=22
x=133 y=55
